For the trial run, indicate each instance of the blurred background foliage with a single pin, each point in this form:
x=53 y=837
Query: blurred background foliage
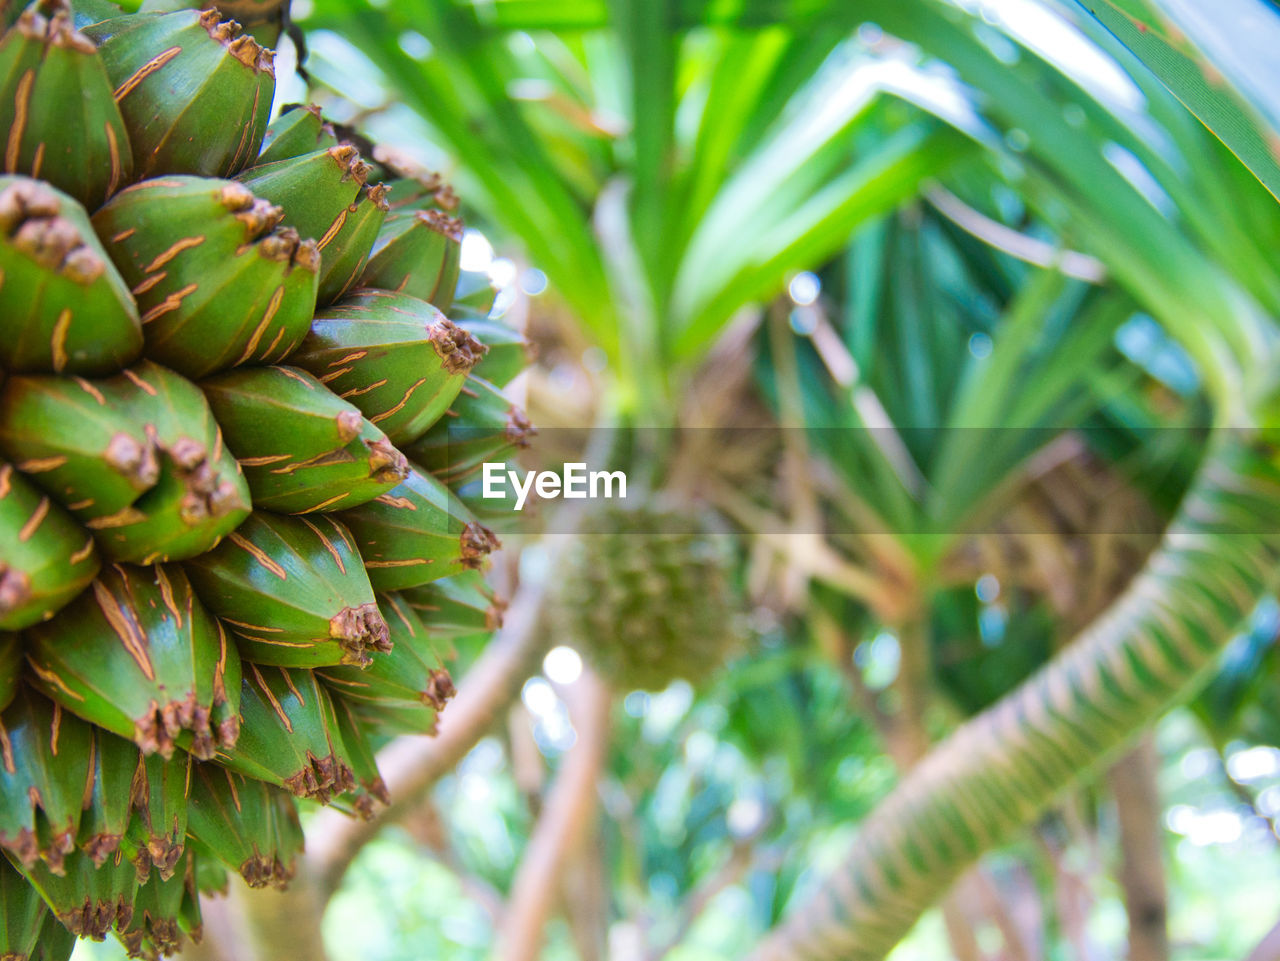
x=1026 y=248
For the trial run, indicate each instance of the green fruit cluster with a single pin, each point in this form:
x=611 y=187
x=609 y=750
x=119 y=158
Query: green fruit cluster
x=646 y=596
x=229 y=551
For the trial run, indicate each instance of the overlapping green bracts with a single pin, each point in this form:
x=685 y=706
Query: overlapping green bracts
x=138 y=655
x=46 y=559
x=137 y=457
x=250 y=826
x=294 y=591
x=996 y=773
x=227 y=81
x=290 y=735
x=302 y=448
x=481 y=425
x=44 y=770
x=67 y=310
x=395 y=357
x=188 y=631
x=417 y=533
x=41 y=59
x=218 y=281
x=473 y=297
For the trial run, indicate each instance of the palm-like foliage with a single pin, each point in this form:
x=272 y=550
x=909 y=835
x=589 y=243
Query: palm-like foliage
x=668 y=164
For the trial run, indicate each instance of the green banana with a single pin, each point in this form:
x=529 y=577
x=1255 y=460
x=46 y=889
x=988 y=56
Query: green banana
x=44 y=770
x=22 y=915
x=195 y=94
x=47 y=71
x=218 y=282
x=248 y=825
x=138 y=655
x=67 y=308
x=290 y=736
x=89 y=900
x=46 y=559
x=416 y=533
x=302 y=449
x=395 y=357
x=481 y=425
x=473 y=296
x=294 y=591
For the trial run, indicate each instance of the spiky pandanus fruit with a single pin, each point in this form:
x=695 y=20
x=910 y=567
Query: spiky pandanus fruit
x=646 y=595
x=214 y=359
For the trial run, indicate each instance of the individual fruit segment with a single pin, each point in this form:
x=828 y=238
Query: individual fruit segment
x=316 y=191
x=46 y=558
x=290 y=735
x=300 y=129
x=57 y=105
x=348 y=251
x=456 y=606
x=44 y=770
x=137 y=458
x=412 y=672
x=67 y=310
x=138 y=655
x=393 y=719
x=395 y=357
x=156 y=837
x=166 y=909
x=294 y=591
x=418 y=254
x=250 y=826
x=473 y=296
x=89 y=900
x=194 y=92
x=370 y=791
x=481 y=425
x=302 y=448
x=506 y=351
x=22 y=914
x=218 y=281
x=417 y=533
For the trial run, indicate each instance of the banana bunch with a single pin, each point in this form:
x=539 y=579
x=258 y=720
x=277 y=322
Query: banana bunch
x=230 y=555
x=647 y=597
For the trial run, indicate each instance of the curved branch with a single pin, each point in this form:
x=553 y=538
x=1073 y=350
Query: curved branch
x=997 y=772
x=565 y=819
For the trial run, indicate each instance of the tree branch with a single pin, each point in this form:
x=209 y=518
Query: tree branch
x=1133 y=784
x=565 y=819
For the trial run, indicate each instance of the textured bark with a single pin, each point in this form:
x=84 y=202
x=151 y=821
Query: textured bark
x=1142 y=873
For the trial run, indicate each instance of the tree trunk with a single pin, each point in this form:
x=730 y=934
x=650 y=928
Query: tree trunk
x=1133 y=783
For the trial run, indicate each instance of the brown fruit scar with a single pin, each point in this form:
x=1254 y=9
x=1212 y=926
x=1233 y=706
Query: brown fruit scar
x=476 y=542
x=358 y=630
x=457 y=349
